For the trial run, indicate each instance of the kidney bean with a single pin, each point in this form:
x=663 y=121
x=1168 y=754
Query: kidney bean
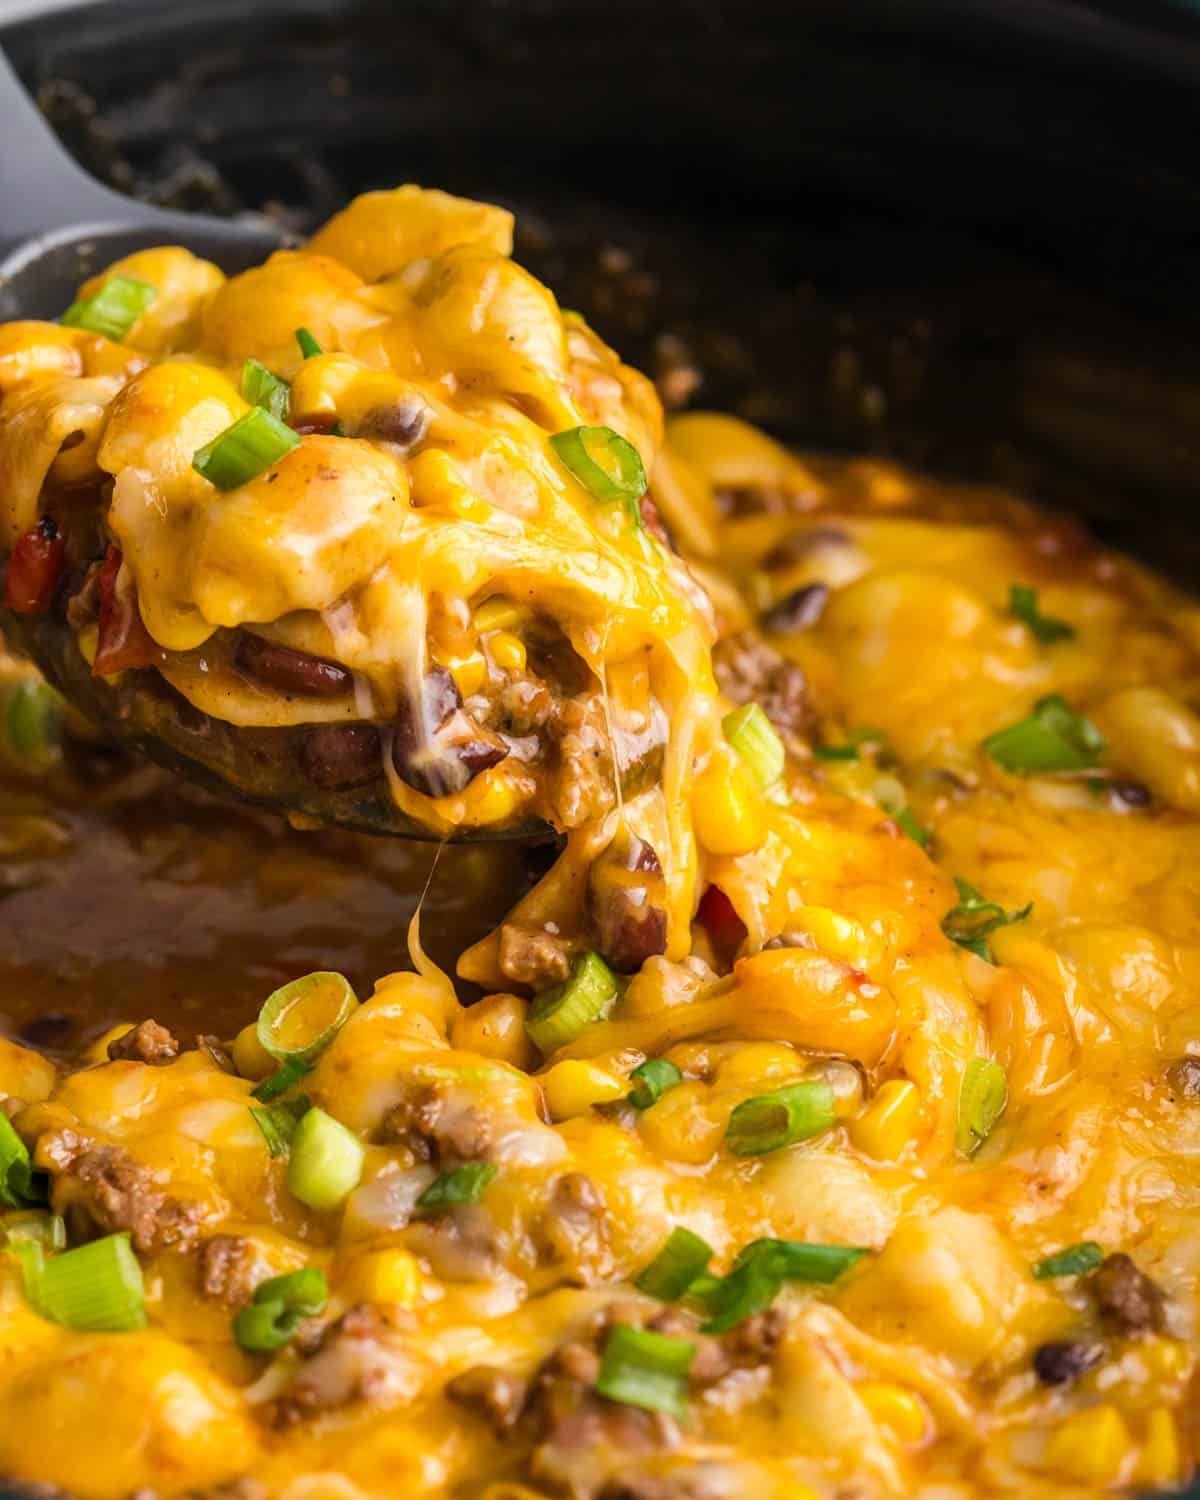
x=627 y=903
x=34 y=569
x=123 y=643
x=427 y=760
x=289 y=671
x=401 y=423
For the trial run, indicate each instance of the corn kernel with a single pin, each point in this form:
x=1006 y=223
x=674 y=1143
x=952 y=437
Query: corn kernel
x=508 y=651
x=382 y=1276
x=250 y=1057
x=88 y=640
x=728 y=811
x=1161 y=1458
x=681 y=1126
x=758 y=1063
x=839 y=936
x=572 y=1087
x=494 y=798
x=889 y=1122
x=900 y=1411
x=1090 y=1447
x=495 y=1027
x=497 y=613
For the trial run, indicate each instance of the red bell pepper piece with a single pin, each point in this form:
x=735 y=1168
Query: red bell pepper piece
x=34 y=569
x=124 y=643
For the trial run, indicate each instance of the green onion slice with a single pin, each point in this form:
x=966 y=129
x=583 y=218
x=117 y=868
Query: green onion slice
x=245 y=450
x=46 y=1229
x=299 y=1020
x=769 y=1121
x=1075 y=1260
x=655 y=1077
x=17 y=1186
x=308 y=343
x=607 y=466
x=32 y=717
x=676 y=1266
x=557 y=1016
x=753 y=736
x=650 y=1370
x=906 y=821
x=278 y=1307
x=981 y=1102
x=465 y=1184
x=326 y=1161
x=114 y=309
x=865 y=737
x=278 y=1122
x=97 y=1288
x=1023 y=606
x=759 y=1272
x=1053 y=738
x=281 y=1080
x=262 y=387
x=973 y=920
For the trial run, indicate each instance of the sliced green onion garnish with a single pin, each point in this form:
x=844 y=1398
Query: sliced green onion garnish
x=973 y=920
x=676 y=1266
x=906 y=821
x=46 y=1229
x=262 y=387
x=607 y=466
x=981 y=1102
x=1053 y=738
x=245 y=450
x=281 y=1080
x=759 y=1272
x=864 y=737
x=32 y=716
x=655 y=1077
x=97 y=1287
x=278 y=1122
x=114 y=309
x=299 y=1020
x=326 y=1161
x=1075 y=1260
x=753 y=736
x=769 y=1121
x=650 y=1370
x=278 y=1307
x=308 y=344
x=465 y=1184
x=17 y=1187
x=1023 y=606
x=557 y=1016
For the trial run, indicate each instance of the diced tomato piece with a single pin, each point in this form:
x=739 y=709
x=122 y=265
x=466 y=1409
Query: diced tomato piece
x=124 y=643
x=725 y=928
x=34 y=569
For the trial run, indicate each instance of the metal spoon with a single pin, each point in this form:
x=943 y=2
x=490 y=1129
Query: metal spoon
x=58 y=227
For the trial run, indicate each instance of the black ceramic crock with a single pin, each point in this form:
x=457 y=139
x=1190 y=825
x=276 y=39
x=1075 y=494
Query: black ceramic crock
x=961 y=232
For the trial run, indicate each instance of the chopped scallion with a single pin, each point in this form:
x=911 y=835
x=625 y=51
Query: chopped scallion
x=245 y=450
x=1075 y=1260
x=1053 y=738
x=17 y=1186
x=759 y=1272
x=769 y=1121
x=308 y=343
x=97 y=1287
x=753 y=736
x=645 y=1369
x=973 y=920
x=906 y=821
x=32 y=716
x=465 y=1184
x=865 y=737
x=300 y=1019
x=655 y=1077
x=47 y=1229
x=281 y=1080
x=676 y=1266
x=114 y=309
x=608 y=467
x=557 y=1016
x=1023 y=606
x=262 y=387
x=278 y=1122
x=326 y=1161
x=981 y=1101
x=270 y=1320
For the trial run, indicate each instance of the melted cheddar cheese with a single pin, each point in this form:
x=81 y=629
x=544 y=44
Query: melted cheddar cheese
x=913 y=906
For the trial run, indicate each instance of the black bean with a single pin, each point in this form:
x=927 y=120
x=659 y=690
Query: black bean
x=1183 y=1078
x=798 y=610
x=1128 y=795
x=290 y=671
x=1062 y=1361
x=334 y=755
x=402 y=423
